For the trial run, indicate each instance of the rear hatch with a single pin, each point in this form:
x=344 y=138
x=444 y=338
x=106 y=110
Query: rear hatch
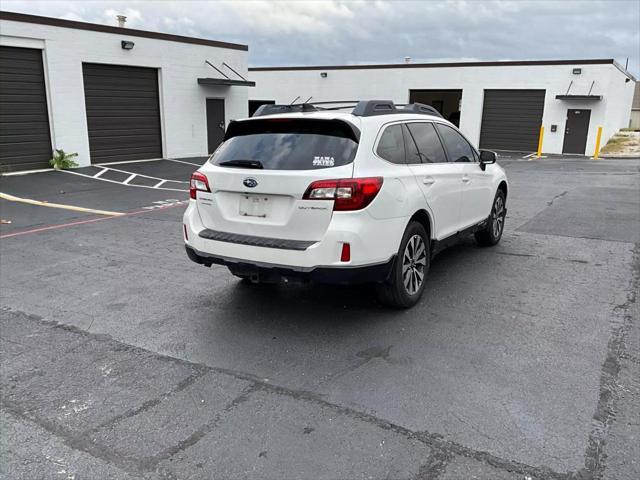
x=260 y=173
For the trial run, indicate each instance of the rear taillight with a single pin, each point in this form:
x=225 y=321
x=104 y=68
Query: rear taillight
x=198 y=182
x=347 y=193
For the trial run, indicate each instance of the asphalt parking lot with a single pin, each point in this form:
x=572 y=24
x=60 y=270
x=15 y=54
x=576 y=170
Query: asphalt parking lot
x=122 y=359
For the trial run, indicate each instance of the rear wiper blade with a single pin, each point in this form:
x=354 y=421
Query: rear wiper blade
x=242 y=163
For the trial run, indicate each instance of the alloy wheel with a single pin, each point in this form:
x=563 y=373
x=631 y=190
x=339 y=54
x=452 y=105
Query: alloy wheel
x=414 y=263
x=498 y=217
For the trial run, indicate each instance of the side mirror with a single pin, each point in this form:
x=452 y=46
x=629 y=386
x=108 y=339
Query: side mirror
x=487 y=157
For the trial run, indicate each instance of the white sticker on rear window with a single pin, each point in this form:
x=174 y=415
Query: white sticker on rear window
x=320 y=161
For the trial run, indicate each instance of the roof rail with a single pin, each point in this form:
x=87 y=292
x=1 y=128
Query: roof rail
x=363 y=108
x=335 y=104
x=369 y=108
x=271 y=109
x=420 y=108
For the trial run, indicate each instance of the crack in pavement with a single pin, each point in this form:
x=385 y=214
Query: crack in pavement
x=436 y=466
x=149 y=404
x=153 y=462
x=441 y=449
x=595 y=458
x=542 y=257
x=560 y=195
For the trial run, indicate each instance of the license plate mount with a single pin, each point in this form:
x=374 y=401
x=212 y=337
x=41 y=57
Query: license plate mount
x=254 y=206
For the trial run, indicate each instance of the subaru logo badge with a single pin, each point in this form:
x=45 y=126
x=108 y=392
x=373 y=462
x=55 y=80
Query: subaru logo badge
x=250 y=182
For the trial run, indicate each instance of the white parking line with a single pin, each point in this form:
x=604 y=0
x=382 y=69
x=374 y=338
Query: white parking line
x=128 y=161
x=142 y=175
x=186 y=163
x=25 y=172
x=100 y=173
x=131 y=177
x=101 y=165
x=161 y=182
x=130 y=185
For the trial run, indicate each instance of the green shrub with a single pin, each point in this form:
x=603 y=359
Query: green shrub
x=62 y=160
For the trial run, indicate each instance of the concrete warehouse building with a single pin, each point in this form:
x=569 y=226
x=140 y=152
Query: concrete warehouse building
x=115 y=94
x=498 y=105
x=112 y=93
x=635 y=108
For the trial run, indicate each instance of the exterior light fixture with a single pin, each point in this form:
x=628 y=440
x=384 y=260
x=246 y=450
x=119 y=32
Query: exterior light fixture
x=577 y=71
x=127 y=45
x=323 y=74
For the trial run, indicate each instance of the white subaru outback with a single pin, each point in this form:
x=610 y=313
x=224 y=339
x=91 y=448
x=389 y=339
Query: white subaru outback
x=309 y=193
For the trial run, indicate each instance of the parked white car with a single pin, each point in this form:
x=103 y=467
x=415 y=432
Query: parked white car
x=301 y=192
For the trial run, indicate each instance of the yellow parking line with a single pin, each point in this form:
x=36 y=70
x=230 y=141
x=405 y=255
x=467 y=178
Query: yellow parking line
x=11 y=198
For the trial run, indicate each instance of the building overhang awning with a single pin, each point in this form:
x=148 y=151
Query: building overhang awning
x=587 y=98
x=225 y=82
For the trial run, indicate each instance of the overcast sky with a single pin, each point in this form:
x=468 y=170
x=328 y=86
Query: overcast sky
x=348 y=32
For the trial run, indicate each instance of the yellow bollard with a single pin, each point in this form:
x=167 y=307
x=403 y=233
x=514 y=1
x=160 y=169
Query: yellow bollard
x=598 y=137
x=539 y=153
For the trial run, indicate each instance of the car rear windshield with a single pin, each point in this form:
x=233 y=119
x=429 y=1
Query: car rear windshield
x=287 y=144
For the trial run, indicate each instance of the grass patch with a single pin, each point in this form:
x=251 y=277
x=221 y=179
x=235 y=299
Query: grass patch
x=609 y=148
x=626 y=142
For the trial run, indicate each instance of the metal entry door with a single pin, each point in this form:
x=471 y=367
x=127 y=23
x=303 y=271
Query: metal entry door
x=215 y=123
x=575 y=131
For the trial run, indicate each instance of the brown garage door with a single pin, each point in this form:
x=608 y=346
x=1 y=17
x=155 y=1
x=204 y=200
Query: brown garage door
x=25 y=141
x=123 y=112
x=511 y=119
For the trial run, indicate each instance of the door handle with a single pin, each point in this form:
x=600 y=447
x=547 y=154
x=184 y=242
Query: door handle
x=466 y=179
x=428 y=180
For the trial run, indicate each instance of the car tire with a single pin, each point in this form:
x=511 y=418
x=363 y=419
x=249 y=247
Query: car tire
x=405 y=284
x=492 y=233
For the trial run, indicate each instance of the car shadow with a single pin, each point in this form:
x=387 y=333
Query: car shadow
x=322 y=331
x=321 y=305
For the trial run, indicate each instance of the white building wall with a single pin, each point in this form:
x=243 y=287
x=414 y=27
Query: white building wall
x=284 y=86
x=182 y=100
x=618 y=106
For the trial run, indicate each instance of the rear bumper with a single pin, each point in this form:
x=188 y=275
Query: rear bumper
x=372 y=241
x=374 y=273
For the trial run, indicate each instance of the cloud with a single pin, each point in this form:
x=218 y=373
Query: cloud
x=350 y=32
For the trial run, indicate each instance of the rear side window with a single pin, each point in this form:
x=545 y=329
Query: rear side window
x=412 y=153
x=287 y=144
x=391 y=144
x=428 y=143
x=457 y=146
